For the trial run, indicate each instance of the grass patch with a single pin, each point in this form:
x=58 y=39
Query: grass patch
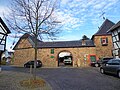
x=31 y=83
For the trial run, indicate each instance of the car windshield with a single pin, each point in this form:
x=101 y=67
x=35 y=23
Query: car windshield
x=116 y=62
x=107 y=58
x=32 y=62
x=110 y=61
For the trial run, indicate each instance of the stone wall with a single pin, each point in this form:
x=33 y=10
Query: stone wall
x=24 y=52
x=103 y=51
x=51 y=60
x=23 y=43
x=21 y=56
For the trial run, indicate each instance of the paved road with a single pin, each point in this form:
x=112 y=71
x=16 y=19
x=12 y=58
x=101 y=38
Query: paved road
x=75 y=78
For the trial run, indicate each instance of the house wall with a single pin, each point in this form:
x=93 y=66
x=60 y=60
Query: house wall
x=77 y=54
x=116 y=43
x=23 y=54
x=3 y=37
x=103 y=51
x=23 y=44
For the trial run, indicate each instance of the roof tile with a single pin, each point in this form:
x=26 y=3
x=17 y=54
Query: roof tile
x=114 y=26
x=107 y=24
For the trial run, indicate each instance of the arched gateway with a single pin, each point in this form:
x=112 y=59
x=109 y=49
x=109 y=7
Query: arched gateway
x=65 y=58
x=79 y=52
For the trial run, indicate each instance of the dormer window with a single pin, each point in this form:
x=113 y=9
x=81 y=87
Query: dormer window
x=104 y=41
x=83 y=42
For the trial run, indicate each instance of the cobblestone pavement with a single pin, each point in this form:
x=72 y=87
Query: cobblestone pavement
x=76 y=78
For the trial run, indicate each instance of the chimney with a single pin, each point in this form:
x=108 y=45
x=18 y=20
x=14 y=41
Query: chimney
x=83 y=42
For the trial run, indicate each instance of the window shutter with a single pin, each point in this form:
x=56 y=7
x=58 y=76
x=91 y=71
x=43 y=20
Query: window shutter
x=52 y=51
x=106 y=40
x=101 y=40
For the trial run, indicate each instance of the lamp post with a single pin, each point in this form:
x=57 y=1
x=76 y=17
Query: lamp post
x=4 y=31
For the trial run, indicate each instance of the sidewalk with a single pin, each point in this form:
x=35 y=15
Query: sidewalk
x=9 y=80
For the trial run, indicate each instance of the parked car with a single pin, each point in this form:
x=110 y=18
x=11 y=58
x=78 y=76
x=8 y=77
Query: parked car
x=112 y=67
x=67 y=60
x=31 y=63
x=100 y=62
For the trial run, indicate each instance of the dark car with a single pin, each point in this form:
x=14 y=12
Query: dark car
x=31 y=63
x=111 y=67
x=100 y=62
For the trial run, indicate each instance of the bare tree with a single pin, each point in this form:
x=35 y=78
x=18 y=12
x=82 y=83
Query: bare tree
x=34 y=17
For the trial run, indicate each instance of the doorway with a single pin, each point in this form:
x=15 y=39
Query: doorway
x=65 y=58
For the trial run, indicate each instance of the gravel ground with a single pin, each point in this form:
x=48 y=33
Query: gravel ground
x=9 y=80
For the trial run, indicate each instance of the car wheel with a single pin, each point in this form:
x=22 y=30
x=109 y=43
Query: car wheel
x=96 y=65
x=102 y=70
x=118 y=74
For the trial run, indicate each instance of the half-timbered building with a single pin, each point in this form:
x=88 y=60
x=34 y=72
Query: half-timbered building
x=116 y=39
x=4 y=31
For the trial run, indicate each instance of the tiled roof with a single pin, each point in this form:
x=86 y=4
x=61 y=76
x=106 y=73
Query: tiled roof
x=60 y=44
x=4 y=25
x=66 y=44
x=107 y=24
x=114 y=27
x=26 y=35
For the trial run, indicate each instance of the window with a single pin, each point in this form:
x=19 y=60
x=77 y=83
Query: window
x=115 y=62
x=92 y=58
x=109 y=62
x=104 y=41
x=52 y=51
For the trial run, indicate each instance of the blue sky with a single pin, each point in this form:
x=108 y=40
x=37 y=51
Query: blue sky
x=79 y=17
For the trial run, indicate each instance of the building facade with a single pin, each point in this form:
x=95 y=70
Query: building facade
x=103 y=40
x=82 y=52
x=116 y=39
x=4 y=31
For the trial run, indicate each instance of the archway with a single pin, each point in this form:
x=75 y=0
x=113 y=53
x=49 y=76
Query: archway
x=65 y=58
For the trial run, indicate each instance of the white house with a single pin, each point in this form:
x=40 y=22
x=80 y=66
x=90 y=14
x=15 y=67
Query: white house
x=7 y=56
x=4 y=31
x=116 y=39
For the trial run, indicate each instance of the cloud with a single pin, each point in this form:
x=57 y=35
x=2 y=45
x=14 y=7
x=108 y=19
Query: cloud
x=64 y=2
x=75 y=13
x=4 y=11
x=79 y=14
